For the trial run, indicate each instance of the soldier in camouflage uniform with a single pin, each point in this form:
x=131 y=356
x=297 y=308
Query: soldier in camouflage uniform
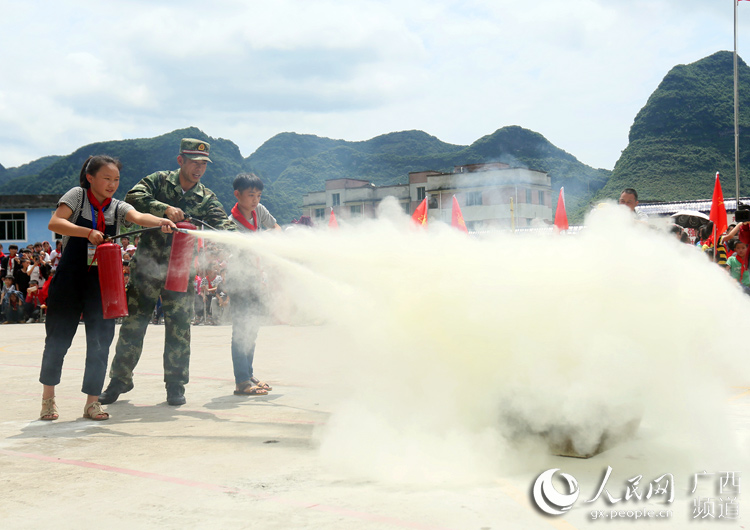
x=176 y=195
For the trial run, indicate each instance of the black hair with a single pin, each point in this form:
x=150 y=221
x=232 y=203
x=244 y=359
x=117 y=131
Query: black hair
x=630 y=191
x=246 y=181
x=45 y=270
x=93 y=164
x=13 y=246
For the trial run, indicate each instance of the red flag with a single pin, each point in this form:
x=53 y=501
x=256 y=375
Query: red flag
x=561 y=218
x=332 y=222
x=457 y=218
x=718 y=211
x=420 y=214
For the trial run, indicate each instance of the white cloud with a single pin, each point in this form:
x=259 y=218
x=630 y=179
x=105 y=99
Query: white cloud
x=575 y=71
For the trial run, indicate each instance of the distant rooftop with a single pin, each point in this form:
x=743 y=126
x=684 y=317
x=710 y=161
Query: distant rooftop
x=29 y=201
x=701 y=205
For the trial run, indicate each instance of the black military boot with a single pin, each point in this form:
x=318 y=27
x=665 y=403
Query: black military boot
x=113 y=391
x=175 y=394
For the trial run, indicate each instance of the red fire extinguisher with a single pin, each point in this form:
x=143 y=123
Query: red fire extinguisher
x=111 y=280
x=178 y=272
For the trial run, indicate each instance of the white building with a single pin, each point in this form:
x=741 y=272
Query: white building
x=490 y=196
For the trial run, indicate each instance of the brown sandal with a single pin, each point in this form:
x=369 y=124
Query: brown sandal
x=248 y=389
x=49 y=410
x=93 y=411
x=260 y=383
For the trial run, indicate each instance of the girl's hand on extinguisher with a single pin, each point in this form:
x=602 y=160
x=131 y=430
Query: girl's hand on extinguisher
x=167 y=225
x=96 y=237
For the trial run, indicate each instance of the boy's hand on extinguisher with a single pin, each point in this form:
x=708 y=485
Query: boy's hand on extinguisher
x=167 y=225
x=96 y=237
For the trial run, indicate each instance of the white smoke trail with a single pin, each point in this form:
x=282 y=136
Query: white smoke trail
x=454 y=348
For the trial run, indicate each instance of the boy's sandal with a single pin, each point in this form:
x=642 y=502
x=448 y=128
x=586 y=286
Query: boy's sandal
x=249 y=389
x=49 y=410
x=260 y=383
x=93 y=411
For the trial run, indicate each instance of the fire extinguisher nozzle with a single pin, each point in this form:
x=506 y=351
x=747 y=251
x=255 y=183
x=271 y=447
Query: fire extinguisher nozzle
x=181 y=230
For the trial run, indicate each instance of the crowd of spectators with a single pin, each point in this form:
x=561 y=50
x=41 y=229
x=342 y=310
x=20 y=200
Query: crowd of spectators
x=211 y=300
x=729 y=250
x=26 y=273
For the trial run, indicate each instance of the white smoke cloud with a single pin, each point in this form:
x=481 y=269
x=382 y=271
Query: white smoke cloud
x=454 y=355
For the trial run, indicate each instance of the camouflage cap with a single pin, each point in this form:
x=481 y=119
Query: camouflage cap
x=195 y=149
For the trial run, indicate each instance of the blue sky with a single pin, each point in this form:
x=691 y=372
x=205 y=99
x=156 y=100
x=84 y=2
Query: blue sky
x=578 y=71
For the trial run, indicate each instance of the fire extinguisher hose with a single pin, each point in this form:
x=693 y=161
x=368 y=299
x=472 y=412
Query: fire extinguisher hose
x=133 y=233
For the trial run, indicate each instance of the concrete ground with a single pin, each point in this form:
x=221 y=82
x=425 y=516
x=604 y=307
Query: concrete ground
x=249 y=462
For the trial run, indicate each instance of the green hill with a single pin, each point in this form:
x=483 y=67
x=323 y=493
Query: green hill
x=388 y=159
x=30 y=169
x=685 y=134
x=140 y=157
x=294 y=164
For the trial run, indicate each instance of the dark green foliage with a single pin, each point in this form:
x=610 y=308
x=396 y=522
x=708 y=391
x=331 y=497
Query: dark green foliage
x=685 y=134
x=30 y=169
x=292 y=164
x=389 y=158
x=140 y=157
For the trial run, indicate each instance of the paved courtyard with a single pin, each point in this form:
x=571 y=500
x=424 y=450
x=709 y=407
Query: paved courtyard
x=224 y=461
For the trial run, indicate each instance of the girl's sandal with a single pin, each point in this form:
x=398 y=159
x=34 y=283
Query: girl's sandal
x=93 y=411
x=49 y=410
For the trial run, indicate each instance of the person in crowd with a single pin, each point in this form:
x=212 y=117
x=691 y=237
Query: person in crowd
x=54 y=256
x=34 y=269
x=21 y=276
x=737 y=263
x=12 y=305
x=199 y=305
x=243 y=285
x=85 y=215
x=31 y=306
x=47 y=250
x=210 y=285
x=6 y=284
x=44 y=291
x=707 y=237
x=177 y=194
x=220 y=304
x=10 y=262
x=39 y=250
x=125 y=243
x=629 y=198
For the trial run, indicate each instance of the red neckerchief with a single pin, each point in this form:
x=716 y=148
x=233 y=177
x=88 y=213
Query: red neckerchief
x=100 y=225
x=237 y=214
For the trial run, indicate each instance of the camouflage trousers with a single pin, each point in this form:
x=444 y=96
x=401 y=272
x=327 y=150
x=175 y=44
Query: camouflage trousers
x=142 y=295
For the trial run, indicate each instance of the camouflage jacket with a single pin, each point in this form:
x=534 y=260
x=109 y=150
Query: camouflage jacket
x=153 y=194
